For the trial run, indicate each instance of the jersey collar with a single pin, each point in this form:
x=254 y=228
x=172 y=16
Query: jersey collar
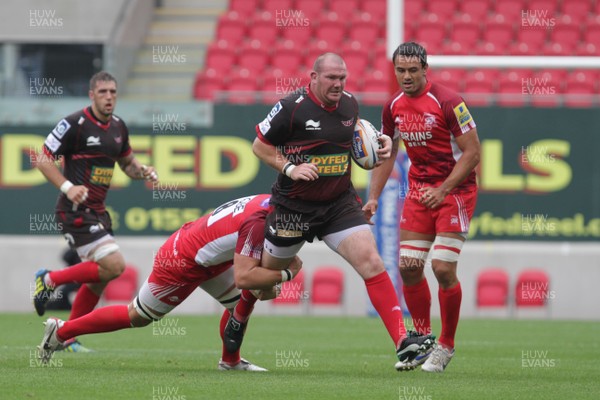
x=424 y=92
x=318 y=102
x=90 y=114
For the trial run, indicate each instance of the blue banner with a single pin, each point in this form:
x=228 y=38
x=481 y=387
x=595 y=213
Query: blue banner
x=387 y=224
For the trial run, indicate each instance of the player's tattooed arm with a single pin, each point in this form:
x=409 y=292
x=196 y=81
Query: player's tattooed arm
x=136 y=170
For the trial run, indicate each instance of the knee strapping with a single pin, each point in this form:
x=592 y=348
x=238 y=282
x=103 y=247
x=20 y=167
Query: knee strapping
x=446 y=249
x=415 y=249
x=104 y=250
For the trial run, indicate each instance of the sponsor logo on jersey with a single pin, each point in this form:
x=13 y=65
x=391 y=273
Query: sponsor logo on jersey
x=274 y=111
x=96 y=228
x=264 y=126
x=93 y=141
x=429 y=120
x=463 y=116
x=52 y=143
x=330 y=164
x=311 y=125
x=61 y=128
x=101 y=176
x=349 y=122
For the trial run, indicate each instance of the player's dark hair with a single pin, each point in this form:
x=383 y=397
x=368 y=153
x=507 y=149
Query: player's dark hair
x=101 y=76
x=411 y=49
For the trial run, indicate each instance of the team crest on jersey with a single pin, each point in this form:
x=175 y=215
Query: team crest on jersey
x=463 y=116
x=349 y=122
x=429 y=120
x=61 y=128
x=453 y=220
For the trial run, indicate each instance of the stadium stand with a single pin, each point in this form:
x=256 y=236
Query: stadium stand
x=327 y=286
x=445 y=27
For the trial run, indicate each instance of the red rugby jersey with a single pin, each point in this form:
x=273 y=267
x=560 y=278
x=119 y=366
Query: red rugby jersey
x=429 y=125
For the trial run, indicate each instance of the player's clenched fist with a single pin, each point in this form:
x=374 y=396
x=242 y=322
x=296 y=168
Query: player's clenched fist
x=77 y=194
x=149 y=173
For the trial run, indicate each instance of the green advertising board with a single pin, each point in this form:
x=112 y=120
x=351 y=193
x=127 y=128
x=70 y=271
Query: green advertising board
x=539 y=176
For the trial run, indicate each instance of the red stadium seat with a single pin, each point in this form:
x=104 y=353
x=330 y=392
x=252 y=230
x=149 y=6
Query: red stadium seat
x=356 y=61
x=592 y=35
x=467 y=34
x=376 y=87
x=412 y=10
x=279 y=8
x=532 y=37
x=331 y=31
x=292 y=292
x=580 y=86
x=220 y=56
x=244 y=7
x=242 y=87
x=567 y=36
x=499 y=34
x=577 y=9
x=548 y=8
x=476 y=9
x=208 y=84
x=124 y=288
x=510 y=88
x=532 y=288
x=492 y=288
x=479 y=84
x=231 y=28
x=253 y=56
x=452 y=78
x=445 y=9
x=433 y=34
x=286 y=59
x=343 y=8
x=301 y=36
x=311 y=9
x=364 y=29
x=510 y=9
x=264 y=28
x=327 y=286
x=376 y=8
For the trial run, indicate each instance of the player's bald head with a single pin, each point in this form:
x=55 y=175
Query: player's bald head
x=332 y=59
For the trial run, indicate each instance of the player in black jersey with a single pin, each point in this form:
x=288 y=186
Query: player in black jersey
x=307 y=138
x=88 y=142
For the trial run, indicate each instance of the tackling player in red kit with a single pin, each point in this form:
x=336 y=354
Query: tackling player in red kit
x=441 y=141
x=220 y=253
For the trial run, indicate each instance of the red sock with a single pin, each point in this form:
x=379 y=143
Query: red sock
x=418 y=300
x=105 y=319
x=244 y=308
x=450 y=309
x=84 y=302
x=84 y=272
x=383 y=296
x=229 y=358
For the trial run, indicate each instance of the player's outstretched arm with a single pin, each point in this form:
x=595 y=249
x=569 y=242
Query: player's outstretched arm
x=136 y=170
x=249 y=274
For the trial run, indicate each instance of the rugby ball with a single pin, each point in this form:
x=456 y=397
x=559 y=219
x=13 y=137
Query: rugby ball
x=365 y=144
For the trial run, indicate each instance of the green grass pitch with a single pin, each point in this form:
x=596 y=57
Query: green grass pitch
x=307 y=357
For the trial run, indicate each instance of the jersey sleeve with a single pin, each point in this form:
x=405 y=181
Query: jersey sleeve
x=251 y=238
x=276 y=127
x=458 y=117
x=60 y=140
x=126 y=149
x=388 y=127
